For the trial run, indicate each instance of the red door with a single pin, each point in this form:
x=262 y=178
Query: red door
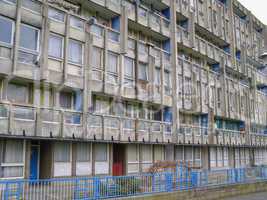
x=118 y=160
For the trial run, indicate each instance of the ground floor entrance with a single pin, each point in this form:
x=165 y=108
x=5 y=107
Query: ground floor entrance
x=119 y=159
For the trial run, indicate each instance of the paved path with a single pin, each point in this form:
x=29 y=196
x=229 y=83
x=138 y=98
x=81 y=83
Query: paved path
x=255 y=196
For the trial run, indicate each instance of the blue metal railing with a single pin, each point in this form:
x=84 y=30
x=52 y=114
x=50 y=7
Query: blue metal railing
x=123 y=186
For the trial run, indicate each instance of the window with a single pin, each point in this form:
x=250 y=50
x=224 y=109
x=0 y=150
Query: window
x=128 y=71
x=18 y=93
x=62 y=152
x=6 y=33
x=76 y=23
x=101 y=151
x=146 y=153
x=157 y=80
x=101 y=106
x=129 y=67
x=97 y=30
x=142 y=49
x=143 y=72
x=167 y=82
x=112 y=62
x=65 y=100
x=133 y=155
x=75 y=52
x=9 y=1
x=29 y=37
x=55 y=48
x=179 y=153
x=56 y=15
x=29 y=44
x=112 y=67
x=32 y=5
x=158 y=153
x=131 y=44
x=142 y=12
x=83 y=152
x=12 y=162
x=97 y=57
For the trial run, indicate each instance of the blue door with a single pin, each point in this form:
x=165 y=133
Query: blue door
x=34 y=162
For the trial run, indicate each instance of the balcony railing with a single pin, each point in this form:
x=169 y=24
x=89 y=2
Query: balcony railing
x=30 y=121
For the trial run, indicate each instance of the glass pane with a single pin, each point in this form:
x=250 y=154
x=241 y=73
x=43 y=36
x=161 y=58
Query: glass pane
x=100 y=152
x=28 y=37
x=133 y=153
x=6 y=30
x=97 y=30
x=96 y=58
x=12 y=172
x=24 y=113
x=65 y=100
x=112 y=62
x=56 y=15
x=55 y=46
x=83 y=151
x=17 y=93
x=10 y=1
x=62 y=152
x=13 y=151
x=128 y=66
x=32 y=5
x=76 y=22
x=27 y=58
x=3 y=111
x=75 y=52
x=143 y=72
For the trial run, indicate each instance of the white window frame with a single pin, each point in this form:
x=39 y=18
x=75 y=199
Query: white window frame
x=29 y=51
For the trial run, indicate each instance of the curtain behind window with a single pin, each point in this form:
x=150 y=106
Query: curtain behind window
x=100 y=152
x=83 y=152
x=62 y=152
x=75 y=52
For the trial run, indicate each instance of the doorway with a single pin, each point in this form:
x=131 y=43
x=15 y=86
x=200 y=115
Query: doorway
x=118 y=168
x=34 y=162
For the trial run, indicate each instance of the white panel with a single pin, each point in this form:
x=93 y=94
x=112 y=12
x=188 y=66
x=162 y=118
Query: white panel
x=83 y=168
x=101 y=168
x=62 y=169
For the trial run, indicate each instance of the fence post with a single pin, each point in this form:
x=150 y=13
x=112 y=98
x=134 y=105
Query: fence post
x=96 y=188
x=194 y=179
x=6 y=192
x=168 y=181
x=153 y=183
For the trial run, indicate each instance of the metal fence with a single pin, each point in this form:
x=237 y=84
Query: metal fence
x=124 y=186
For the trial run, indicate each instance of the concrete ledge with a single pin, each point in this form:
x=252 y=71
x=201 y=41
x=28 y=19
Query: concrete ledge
x=210 y=193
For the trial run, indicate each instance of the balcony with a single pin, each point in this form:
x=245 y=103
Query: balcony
x=193 y=134
x=230 y=137
x=261 y=79
x=50 y=123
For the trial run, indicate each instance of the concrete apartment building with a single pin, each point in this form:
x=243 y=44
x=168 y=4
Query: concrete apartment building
x=97 y=87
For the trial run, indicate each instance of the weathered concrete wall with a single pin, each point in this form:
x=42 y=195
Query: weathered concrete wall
x=208 y=194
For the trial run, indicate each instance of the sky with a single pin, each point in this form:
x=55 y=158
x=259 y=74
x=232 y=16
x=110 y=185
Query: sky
x=257 y=7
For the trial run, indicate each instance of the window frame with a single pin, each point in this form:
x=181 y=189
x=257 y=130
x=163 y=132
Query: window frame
x=37 y=42
x=146 y=71
x=70 y=152
x=13 y=164
x=56 y=20
x=62 y=46
x=82 y=54
x=79 y=19
x=12 y=33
